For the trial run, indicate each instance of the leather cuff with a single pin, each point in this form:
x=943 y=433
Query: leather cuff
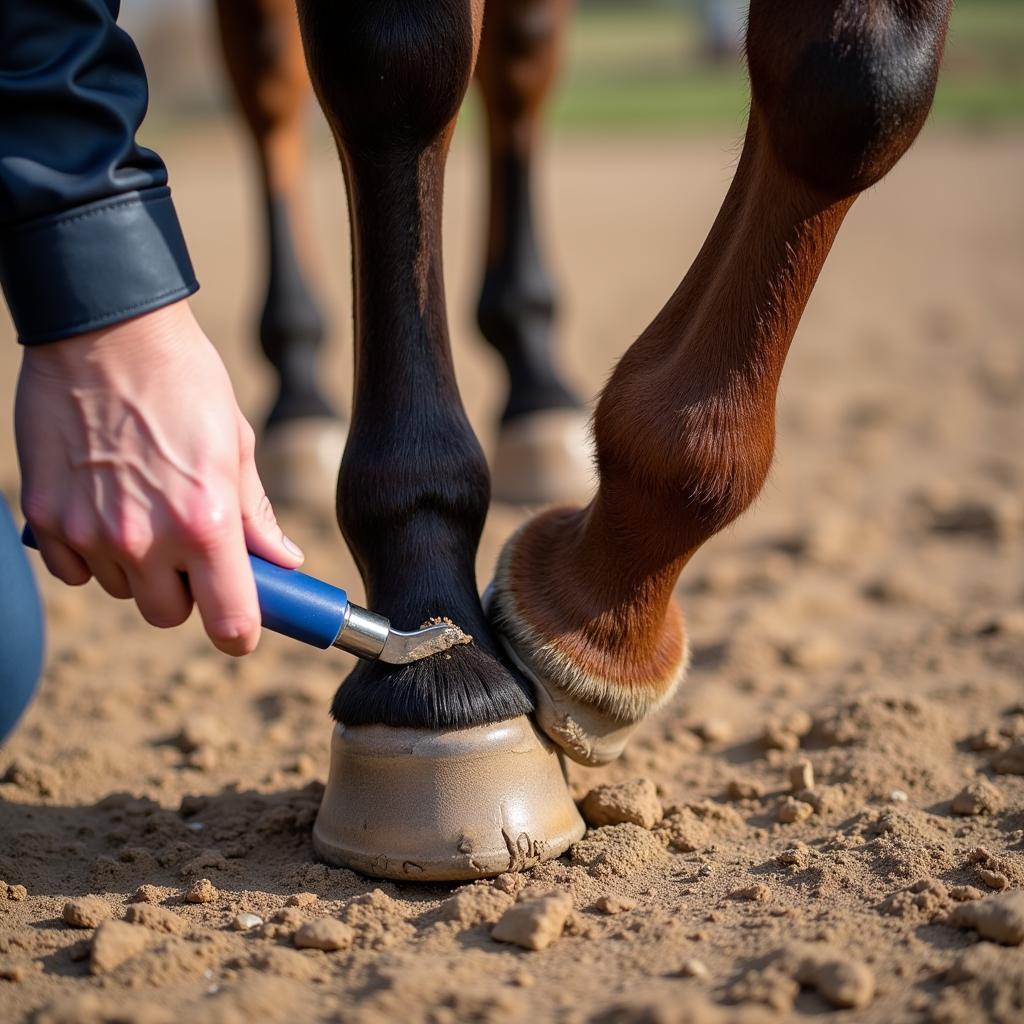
x=94 y=265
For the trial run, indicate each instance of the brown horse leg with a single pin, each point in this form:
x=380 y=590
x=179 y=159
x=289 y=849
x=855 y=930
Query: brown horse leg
x=414 y=488
x=685 y=428
x=541 y=454
x=263 y=55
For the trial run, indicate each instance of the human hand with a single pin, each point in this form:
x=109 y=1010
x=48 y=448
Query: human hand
x=137 y=466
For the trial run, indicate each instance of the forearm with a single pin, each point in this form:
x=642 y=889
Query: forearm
x=88 y=232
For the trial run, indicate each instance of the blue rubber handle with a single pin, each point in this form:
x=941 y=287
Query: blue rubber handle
x=292 y=603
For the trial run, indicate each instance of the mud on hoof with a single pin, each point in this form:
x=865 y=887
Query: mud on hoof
x=588 y=713
x=298 y=461
x=543 y=458
x=444 y=805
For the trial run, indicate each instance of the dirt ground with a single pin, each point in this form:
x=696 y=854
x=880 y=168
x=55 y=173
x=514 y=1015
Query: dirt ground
x=866 y=619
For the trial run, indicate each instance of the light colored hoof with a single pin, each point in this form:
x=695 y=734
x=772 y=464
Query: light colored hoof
x=298 y=461
x=543 y=458
x=426 y=805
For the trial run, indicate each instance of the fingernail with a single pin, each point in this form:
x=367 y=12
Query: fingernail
x=292 y=546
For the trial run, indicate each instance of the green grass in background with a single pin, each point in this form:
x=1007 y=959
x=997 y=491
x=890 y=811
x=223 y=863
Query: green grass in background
x=642 y=69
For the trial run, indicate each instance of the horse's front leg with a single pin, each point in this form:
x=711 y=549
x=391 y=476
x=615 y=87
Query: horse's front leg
x=424 y=783
x=685 y=428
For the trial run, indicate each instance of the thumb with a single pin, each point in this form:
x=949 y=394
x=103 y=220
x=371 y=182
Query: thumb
x=263 y=536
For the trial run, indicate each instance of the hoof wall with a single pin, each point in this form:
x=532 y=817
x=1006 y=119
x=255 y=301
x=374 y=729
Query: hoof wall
x=543 y=458
x=426 y=805
x=298 y=461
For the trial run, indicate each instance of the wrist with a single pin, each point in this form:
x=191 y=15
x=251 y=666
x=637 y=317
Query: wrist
x=150 y=336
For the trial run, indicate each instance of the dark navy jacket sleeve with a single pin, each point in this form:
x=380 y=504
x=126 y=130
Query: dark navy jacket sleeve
x=88 y=232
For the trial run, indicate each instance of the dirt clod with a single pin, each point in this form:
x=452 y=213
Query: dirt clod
x=999 y=918
x=978 y=797
x=201 y=891
x=85 y=912
x=328 y=934
x=534 y=923
x=113 y=943
x=635 y=803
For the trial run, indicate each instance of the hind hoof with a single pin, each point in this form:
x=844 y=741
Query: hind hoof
x=450 y=805
x=543 y=458
x=298 y=461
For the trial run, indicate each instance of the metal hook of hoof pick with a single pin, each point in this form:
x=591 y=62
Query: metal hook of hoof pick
x=321 y=615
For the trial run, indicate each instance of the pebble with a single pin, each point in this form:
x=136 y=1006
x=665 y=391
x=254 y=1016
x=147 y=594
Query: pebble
x=244 y=921
x=694 y=968
x=86 y=912
x=201 y=891
x=534 y=923
x=758 y=893
x=999 y=918
x=842 y=981
x=327 y=933
x=113 y=943
x=613 y=903
x=791 y=810
x=978 y=797
x=17 y=893
x=633 y=803
x=740 y=789
x=898 y=796
x=801 y=776
x=714 y=730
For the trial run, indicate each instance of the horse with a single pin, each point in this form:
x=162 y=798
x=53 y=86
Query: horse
x=579 y=632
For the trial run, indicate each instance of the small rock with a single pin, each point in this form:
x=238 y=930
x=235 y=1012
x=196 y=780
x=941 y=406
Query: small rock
x=86 y=912
x=327 y=933
x=898 y=796
x=740 y=789
x=777 y=737
x=993 y=879
x=244 y=921
x=758 y=892
x=17 y=893
x=999 y=918
x=301 y=899
x=113 y=943
x=714 y=730
x=693 y=968
x=798 y=856
x=146 y=894
x=634 y=803
x=201 y=891
x=478 y=904
x=613 y=903
x=841 y=980
x=534 y=923
x=156 y=919
x=801 y=776
x=791 y=810
x=978 y=797
x=1010 y=761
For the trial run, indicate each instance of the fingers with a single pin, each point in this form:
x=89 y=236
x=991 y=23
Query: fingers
x=222 y=584
x=61 y=561
x=263 y=536
x=161 y=595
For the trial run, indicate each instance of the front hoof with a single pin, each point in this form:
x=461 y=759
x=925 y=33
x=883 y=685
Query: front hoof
x=444 y=805
x=543 y=458
x=298 y=461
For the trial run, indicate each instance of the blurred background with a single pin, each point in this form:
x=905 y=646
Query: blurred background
x=668 y=66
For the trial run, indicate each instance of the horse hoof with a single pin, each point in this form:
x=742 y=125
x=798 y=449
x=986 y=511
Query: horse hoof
x=298 y=461
x=543 y=458
x=452 y=805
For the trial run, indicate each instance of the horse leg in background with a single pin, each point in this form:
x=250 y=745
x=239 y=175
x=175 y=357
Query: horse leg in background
x=542 y=451
x=471 y=787
x=685 y=428
x=303 y=436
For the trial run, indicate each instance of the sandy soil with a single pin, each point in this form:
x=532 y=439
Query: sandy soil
x=859 y=655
